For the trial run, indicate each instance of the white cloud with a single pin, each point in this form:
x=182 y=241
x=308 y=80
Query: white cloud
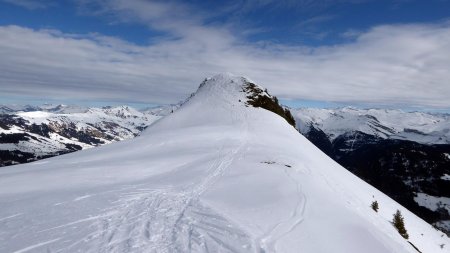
x=30 y=4
x=397 y=64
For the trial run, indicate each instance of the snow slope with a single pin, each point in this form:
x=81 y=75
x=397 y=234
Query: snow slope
x=214 y=176
x=420 y=127
x=162 y=110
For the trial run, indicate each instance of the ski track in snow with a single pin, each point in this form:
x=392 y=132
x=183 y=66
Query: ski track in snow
x=11 y=216
x=268 y=242
x=82 y=197
x=32 y=247
x=166 y=220
x=151 y=219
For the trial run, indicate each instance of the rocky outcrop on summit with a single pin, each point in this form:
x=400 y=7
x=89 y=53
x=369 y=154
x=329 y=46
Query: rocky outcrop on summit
x=258 y=97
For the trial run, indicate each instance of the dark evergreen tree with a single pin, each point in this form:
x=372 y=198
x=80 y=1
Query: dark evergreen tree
x=399 y=224
x=374 y=206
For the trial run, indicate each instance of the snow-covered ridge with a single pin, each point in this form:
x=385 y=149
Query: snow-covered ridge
x=230 y=88
x=54 y=108
x=32 y=135
x=214 y=176
x=420 y=127
x=226 y=88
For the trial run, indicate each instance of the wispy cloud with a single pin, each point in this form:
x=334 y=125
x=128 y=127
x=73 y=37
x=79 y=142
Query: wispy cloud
x=30 y=4
x=391 y=64
x=315 y=20
x=304 y=4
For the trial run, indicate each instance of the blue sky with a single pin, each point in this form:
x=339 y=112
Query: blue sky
x=286 y=22
x=315 y=53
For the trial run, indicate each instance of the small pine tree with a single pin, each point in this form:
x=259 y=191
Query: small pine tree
x=375 y=206
x=399 y=224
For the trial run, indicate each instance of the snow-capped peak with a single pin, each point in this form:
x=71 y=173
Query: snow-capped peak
x=222 y=86
x=123 y=111
x=227 y=85
x=230 y=94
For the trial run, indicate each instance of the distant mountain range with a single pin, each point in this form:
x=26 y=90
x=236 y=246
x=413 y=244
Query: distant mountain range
x=406 y=155
x=29 y=133
x=425 y=128
x=59 y=108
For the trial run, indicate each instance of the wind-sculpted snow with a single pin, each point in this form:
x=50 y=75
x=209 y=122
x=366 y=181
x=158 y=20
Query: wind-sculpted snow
x=214 y=176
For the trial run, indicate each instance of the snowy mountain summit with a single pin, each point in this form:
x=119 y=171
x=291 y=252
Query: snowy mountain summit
x=220 y=174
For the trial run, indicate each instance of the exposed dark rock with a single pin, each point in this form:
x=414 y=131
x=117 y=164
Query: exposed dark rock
x=320 y=140
x=13 y=138
x=261 y=98
x=11 y=157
